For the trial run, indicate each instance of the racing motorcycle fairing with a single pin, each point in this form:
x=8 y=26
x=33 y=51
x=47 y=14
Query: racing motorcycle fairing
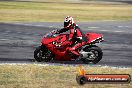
x=55 y=44
x=94 y=38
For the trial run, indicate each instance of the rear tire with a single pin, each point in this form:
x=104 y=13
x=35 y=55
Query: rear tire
x=95 y=57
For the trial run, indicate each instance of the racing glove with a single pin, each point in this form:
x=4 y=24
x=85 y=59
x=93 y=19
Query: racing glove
x=57 y=32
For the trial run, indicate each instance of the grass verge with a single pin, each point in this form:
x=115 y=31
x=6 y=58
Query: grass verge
x=44 y=76
x=55 y=12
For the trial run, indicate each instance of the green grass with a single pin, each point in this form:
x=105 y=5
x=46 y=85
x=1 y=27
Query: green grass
x=37 y=76
x=52 y=12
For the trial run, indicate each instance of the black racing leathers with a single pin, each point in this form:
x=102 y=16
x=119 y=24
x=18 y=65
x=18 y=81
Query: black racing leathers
x=76 y=34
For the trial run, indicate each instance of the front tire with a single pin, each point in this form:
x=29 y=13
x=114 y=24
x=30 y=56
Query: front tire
x=95 y=56
x=42 y=54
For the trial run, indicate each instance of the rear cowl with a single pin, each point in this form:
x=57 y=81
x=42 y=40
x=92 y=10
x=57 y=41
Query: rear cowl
x=93 y=37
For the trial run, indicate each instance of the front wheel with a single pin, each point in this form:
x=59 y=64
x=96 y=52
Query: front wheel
x=94 y=56
x=42 y=54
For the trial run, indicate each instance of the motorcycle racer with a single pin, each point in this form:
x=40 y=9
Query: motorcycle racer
x=68 y=46
x=76 y=36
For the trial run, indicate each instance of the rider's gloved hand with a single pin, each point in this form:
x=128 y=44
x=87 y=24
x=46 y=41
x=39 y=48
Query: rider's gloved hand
x=57 y=32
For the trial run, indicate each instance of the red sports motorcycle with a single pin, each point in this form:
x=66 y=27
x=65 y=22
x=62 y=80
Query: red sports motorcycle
x=52 y=48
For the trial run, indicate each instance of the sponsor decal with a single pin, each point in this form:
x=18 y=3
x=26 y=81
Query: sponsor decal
x=83 y=78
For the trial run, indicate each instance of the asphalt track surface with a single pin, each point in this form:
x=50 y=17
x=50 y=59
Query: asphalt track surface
x=19 y=40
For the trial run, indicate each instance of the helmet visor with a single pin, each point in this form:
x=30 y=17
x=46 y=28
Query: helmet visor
x=66 y=24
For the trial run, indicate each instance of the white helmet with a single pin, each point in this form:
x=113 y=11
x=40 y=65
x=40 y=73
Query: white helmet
x=68 y=21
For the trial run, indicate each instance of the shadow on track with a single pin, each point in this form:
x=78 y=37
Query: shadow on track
x=29 y=60
x=17 y=60
x=26 y=60
x=67 y=62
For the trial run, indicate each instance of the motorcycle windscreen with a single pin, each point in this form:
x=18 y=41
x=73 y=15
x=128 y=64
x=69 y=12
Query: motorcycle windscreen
x=47 y=40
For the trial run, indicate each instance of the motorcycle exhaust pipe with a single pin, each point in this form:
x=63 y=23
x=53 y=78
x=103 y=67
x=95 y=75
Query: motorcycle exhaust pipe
x=85 y=54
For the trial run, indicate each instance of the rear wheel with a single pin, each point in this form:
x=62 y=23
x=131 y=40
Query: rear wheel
x=42 y=54
x=94 y=56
